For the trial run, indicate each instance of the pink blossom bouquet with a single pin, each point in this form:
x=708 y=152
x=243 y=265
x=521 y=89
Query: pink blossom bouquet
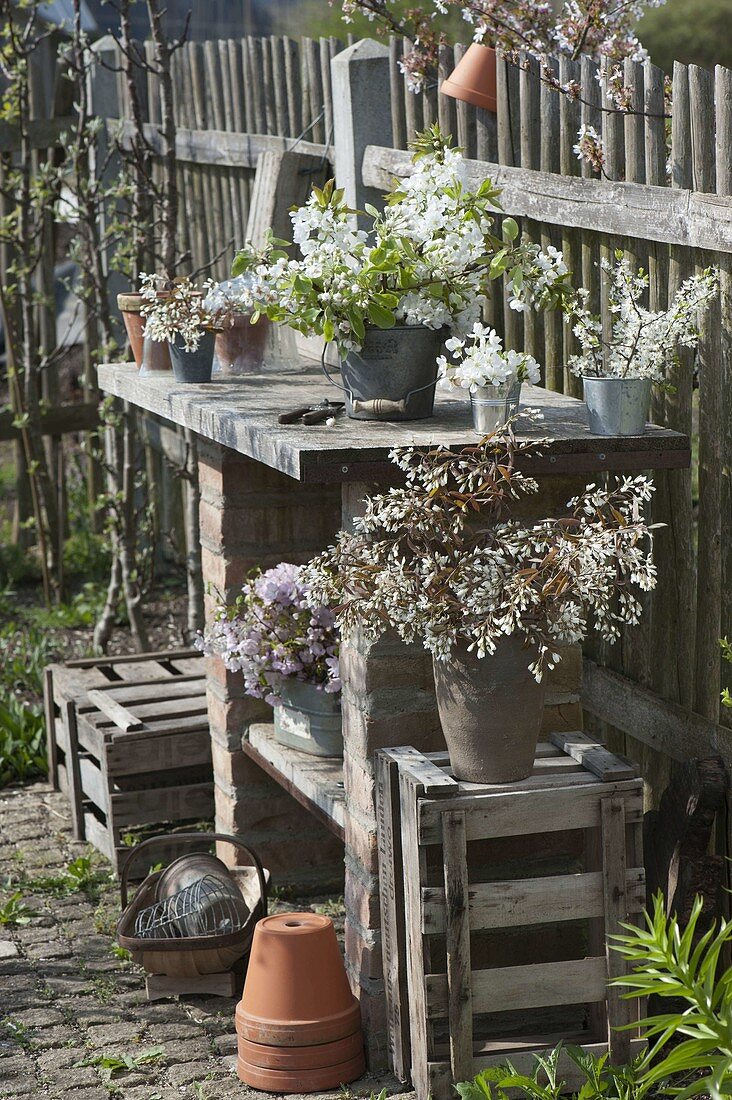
x=271 y=633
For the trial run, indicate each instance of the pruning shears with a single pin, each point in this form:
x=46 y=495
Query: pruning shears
x=311 y=414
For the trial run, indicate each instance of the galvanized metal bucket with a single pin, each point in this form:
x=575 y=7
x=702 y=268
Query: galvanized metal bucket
x=308 y=719
x=393 y=376
x=493 y=406
x=617 y=406
x=193 y=366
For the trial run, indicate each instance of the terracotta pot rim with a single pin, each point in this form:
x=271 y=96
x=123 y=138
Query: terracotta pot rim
x=249 y=1020
x=129 y=303
x=304 y=1080
x=314 y=1056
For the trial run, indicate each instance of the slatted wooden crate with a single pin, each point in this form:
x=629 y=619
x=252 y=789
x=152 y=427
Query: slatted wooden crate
x=128 y=741
x=495 y=904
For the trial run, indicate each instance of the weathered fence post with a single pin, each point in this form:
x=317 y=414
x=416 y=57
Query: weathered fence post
x=361 y=114
x=104 y=102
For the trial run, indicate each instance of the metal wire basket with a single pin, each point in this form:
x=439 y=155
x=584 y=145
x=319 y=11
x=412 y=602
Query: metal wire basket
x=186 y=953
x=208 y=907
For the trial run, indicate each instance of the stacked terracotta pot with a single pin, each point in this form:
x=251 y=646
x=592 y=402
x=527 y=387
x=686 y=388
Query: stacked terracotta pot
x=298 y=1024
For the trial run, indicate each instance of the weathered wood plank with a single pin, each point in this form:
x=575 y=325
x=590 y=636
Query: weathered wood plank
x=441 y=1081
x=223 y=147
x=457 y=944
x=391 y=900
x=573 y=805
x=507 y=988
x=595 y=757
x=513 y=903
x=673 y=216
x=320 y=779
x=415 y=864
x=142 y=807
x=617 y=911
x=121 y=716
x=665 y=726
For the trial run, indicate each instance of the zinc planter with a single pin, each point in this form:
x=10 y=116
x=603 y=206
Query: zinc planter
x=308 y=719
x=393 y=376
x=193 y=366
x=493 y=406
x=490 y=711
x=617 y=406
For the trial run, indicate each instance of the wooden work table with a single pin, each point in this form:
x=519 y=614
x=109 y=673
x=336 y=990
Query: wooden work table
x=241 y=414
x=272 y=493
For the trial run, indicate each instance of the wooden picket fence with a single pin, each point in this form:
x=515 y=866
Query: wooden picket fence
x=664 y=200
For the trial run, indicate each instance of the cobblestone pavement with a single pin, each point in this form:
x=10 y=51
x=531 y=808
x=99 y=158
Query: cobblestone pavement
x=67 y=1002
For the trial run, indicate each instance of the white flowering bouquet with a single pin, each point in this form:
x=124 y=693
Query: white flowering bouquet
x=272 y=633
x=179 y=310
x=442 y=561
x=428 y=258
x=641 y=342
x=480 y=361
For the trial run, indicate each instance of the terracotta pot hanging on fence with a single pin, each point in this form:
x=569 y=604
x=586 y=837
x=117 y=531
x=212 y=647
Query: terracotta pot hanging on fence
x=473 y=79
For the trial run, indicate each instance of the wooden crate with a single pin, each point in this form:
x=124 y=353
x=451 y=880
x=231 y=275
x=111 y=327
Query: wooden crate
x=495 y=904
x=128 y=741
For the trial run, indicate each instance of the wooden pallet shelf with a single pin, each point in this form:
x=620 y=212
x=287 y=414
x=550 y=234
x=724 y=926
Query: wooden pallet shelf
x=496 y=903
x=316 y=782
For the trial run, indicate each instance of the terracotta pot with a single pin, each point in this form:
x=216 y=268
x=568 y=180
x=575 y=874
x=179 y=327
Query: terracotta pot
x=296 y=991
x=305 y=1058
x=241 y=347
x=473 y=79
x=304 y=1080
x=129 y=306
x=490 y=711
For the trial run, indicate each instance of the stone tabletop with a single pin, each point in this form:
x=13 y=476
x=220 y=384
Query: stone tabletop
x=241 y=413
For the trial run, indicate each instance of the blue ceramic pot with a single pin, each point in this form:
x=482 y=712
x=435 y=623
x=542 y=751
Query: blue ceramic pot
x=193 y=366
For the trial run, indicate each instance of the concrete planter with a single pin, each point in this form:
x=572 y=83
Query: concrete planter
x=393 y=376
x=193 y=366
x=308 y=719
x=617 y=406
x=490 y=711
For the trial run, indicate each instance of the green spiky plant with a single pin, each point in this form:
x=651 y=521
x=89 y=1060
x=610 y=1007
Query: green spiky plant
x=689 y=1049
x=670 y=963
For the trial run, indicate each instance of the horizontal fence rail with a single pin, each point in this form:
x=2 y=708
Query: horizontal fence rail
x=625 y=209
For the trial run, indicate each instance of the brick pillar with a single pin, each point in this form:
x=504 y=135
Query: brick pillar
x=252 y=515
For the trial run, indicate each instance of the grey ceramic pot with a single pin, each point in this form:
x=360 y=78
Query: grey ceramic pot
x=193 y=366
x=393 y=376
x=490 y=711
x=617 y=406
x=308 y=719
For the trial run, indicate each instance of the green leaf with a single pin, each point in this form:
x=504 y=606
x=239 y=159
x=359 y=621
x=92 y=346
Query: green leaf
x=381 y=317
x=510 y=229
